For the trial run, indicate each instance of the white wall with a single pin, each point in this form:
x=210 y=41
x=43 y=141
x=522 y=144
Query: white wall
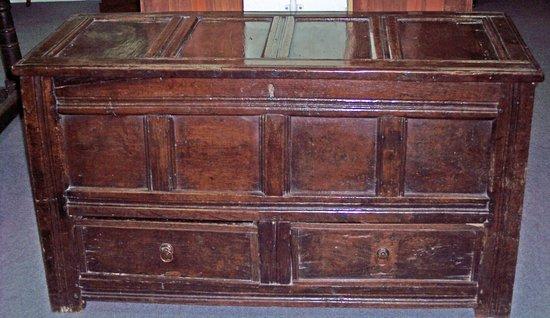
x=295 y=5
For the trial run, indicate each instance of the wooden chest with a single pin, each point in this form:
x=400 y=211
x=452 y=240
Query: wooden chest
x=354 y=160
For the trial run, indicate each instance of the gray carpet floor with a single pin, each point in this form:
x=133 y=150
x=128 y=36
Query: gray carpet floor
x=22 y=282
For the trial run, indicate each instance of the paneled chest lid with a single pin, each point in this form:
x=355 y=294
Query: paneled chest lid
x=415 y=46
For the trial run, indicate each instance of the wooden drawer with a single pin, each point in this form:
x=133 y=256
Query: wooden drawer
x=186 y=250
x=356 y=252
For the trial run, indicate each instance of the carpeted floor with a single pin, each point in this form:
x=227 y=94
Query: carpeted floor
x=22 y=283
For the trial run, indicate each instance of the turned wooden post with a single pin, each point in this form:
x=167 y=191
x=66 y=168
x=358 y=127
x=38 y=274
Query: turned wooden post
x=11 y=53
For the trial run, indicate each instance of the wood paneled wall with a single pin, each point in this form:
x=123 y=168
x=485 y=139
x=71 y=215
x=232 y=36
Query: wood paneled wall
x=411 y=5
x=191 y=5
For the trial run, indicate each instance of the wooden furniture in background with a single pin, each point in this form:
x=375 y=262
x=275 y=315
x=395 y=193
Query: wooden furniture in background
x=119 y=6
x=360 y=160
x=10 y=105
x=191 y=5
x=411 y=5
x=236 y=5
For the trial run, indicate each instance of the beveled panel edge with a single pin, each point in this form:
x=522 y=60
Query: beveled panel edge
x=154 y=205
x=382 y=292
x=245 y=227
x=395 y=70
x=160 y=42
x=467 y=228
x=279 y=38
x=259 y=147
x=180 y=36
x=68 y=38
x=247 y=230
x=495 y=39
x=292 y=192
x=303 y=107
x=243 y=197
x=255 y=301
x=491 y=157
x=297 y=214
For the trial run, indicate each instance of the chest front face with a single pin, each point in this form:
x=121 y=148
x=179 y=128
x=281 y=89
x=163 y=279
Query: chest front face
x=315 y=155
x=285 y=139
x=285 y=159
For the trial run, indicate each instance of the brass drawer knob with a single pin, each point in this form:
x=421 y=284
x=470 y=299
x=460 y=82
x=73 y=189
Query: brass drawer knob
x=383 y=253
x=166 y=252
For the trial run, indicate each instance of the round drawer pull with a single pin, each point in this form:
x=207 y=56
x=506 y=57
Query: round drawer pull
x=166 y=252
x=383 y=253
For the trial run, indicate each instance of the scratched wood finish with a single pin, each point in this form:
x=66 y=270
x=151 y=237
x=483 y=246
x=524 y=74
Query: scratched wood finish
x=221 y=159
x=101 y=142
x=412 y=5
x=197 y=250
x=351 y=252
x=332 y=155
x=447 y=156
x=217 y=153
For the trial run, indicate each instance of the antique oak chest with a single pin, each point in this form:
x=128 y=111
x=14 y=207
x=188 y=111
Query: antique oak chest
x=353 y=160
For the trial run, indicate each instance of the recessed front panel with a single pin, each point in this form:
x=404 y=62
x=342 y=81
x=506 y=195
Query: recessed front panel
x=447 y=156
x=227 y=39
x=111 y=39
x=172 y=249
x=334 y=40
x=217 y=153
x=105 y=151
x=344 y=252
x=430 y=40
x=333 y=155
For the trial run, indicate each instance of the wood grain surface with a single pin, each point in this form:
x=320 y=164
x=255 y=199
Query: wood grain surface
x=353 y=160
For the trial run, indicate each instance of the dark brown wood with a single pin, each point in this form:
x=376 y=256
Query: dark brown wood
x=10 y=103
x=9 y=45
x=217 y=153
x=9 y=107
x=102 y=166
x=498 y=269
x=191 y=5
x=274 y=135
x=362 y=252
x=160 y=137
x=391 y=156
x=275 y=252
x=220 y=251
x=447 y=156
x=119 y=6
x=332 y=155
x=412 y=5
x=216 y=159
x=58 y=246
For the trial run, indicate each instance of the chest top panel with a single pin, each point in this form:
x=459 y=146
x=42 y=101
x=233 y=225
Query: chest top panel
x=434 y=46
